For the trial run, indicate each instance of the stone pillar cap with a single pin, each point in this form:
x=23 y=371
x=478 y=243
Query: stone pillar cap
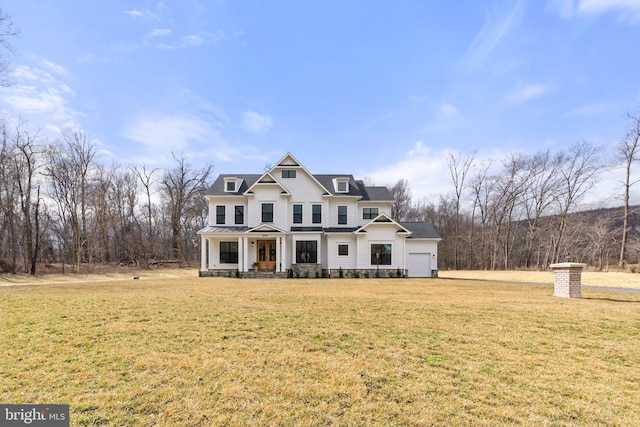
x=568 y=265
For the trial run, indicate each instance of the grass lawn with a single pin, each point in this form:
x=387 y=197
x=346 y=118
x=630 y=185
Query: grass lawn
x=188 y=351
x=611 y=279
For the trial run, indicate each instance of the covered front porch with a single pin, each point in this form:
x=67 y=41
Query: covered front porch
x=225 y=252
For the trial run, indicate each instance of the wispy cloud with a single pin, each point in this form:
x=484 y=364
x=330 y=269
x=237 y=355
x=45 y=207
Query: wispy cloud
x=145 y=14
x=627 y=10
x=526 y=92
x=159 y=32
x=169 y=132
x=424 y=169
x=255 y=122
x=589 y=110
x=497 y=25
x=158 y=134
x=204 y=38
x=41 y=93
x=448 y=110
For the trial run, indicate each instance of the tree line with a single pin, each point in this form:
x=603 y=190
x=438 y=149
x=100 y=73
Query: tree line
x=523 y=213
x=60 y=205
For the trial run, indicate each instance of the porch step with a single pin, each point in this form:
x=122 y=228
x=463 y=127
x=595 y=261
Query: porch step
x=263 y=275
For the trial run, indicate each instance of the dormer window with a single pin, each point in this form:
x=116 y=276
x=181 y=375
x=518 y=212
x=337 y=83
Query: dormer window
x=230 y=185
x=341 y=185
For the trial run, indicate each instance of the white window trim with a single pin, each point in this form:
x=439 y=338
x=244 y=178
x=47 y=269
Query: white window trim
x=337 y=181
x=235 y=185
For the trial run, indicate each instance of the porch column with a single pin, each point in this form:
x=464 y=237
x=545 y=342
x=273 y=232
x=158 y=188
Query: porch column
x=245 y=251
x=278 y=255
x=283 y=253
x=240 y=253
x=203 y=253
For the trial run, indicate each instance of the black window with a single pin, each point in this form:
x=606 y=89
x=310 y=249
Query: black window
x=343 y=249
x=342 y=214
x=306 y=252
x=316 y=214
x=297 y=214
x=228 y=252
x=220 y=214
x=267 y=212
x=381 y=254
x=288 y=174
x=342 y=186
x=369 y=213
x=239 y=210
x=231 y=186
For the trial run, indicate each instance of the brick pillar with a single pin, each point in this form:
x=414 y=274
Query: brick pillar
x=568 y=279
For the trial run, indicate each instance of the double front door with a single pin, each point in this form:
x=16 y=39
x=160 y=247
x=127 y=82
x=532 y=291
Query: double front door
x=266 y=255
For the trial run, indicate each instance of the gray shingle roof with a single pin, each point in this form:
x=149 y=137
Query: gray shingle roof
x=217 y=188
x=420 y=230
x=356 y=188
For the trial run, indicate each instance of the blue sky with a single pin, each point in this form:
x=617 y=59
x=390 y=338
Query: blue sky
x=377 y=89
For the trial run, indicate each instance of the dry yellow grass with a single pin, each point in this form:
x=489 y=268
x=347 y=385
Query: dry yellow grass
x=612 y=279
x=208 y=351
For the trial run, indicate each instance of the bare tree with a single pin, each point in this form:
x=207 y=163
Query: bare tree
x=8 y=214
x=401 y=200
x=459 y=167
x=579 y=171
x=542 y=176
x=26 y=163
x=627 y=151
x=7 y=30
x=70 y=163
x=183 y=188
x=148 y=182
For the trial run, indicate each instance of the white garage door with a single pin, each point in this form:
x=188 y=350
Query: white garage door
x=419 y=265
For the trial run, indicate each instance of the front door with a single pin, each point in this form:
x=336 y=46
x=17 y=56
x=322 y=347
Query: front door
x=267 y=254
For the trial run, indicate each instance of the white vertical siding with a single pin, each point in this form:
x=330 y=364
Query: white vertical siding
x=335 y=261
x=381 y=233
x=352 y=212
x=230 y=213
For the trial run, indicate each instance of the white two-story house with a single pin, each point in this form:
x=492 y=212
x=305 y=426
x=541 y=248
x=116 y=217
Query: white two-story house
x=293 y=223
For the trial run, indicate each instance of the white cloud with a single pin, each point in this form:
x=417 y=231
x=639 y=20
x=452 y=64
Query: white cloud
x=448 y=110
x=168 y=133
x=526 y=92
x=497 y=25
x=588 y=110
x=200 y=39
x=40 y=94
x=255 y=122
x=159 y=32
x=135 y=13
x=425 y=171
x=627 y=10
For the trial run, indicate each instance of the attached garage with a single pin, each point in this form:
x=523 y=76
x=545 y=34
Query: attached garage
x=421 y=248
x=419 y=265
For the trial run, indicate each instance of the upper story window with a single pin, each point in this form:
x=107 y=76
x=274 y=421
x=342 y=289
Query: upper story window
x=239 y=214
x=288 y=173
x=220 y=214
x=297 y=214
x=316 y=214
x=342 y=214
x=267 y=212
x=341 y=185
x=369 y=213
x=230 y=185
